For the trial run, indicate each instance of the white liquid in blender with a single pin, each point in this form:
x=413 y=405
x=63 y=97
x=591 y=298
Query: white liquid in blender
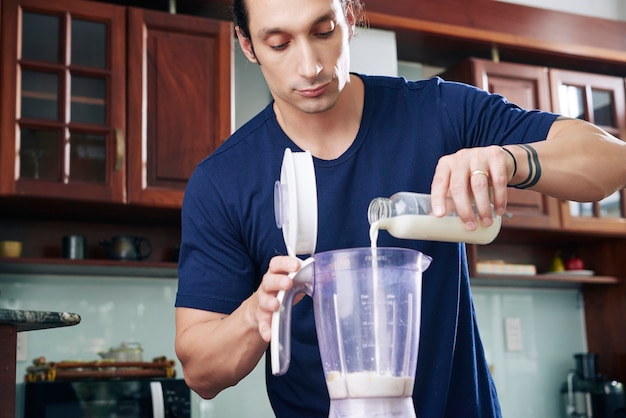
x=368 y=385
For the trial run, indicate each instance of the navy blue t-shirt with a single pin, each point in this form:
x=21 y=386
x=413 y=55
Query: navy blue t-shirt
x=229 y=233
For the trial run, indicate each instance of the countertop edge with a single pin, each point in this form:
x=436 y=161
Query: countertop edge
x=26 y=320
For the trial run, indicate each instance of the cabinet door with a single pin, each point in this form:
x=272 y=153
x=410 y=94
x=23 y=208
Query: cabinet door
x=179 y=101
x=600 y=100
x=528 y=87
x=63 y=108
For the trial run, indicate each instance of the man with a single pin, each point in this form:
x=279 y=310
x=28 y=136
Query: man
x=371 y=137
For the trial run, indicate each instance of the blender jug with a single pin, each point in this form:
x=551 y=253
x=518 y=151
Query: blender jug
x=366 y=304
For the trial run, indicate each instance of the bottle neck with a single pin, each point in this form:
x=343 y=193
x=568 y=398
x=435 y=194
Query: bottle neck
x=379 y=208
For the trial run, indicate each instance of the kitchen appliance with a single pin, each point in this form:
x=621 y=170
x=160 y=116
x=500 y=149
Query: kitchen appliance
x=366 y=303
x=145 y=398
x=588 y=394
x=124 y=352
x=127 y=247
x=74 y=247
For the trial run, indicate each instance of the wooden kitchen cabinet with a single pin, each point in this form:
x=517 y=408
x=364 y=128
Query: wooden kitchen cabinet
x=63 y=100
x=528 y=87
x=592 y=97
x=600 y=100
x=104 y=103
x=178 y=101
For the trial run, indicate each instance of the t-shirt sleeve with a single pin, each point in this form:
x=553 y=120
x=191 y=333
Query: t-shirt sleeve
x=215 y=271
x=479 y=118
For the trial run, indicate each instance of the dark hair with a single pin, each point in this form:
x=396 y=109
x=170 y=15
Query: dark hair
x=240 y=14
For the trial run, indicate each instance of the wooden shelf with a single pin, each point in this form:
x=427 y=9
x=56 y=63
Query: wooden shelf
x=578 y=279
x=168 y=270
x=94 y=267
x=542 y=280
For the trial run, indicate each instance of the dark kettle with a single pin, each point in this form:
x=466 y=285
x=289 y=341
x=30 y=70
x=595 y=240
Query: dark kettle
x=127 y=247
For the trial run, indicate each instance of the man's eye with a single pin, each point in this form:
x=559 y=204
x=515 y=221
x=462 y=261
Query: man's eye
x=326 y=30
x=326 y=34
x=279 y=47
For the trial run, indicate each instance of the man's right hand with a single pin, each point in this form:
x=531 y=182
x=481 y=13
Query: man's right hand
x=275 y=279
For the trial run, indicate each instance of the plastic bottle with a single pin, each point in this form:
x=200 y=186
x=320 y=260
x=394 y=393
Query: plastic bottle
x=408 y=215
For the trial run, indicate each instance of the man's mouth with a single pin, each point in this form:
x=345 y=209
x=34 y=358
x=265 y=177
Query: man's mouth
x=314 y=91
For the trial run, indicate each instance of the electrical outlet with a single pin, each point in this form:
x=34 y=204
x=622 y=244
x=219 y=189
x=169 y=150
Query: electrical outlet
x=21 y=350
x=513 y=334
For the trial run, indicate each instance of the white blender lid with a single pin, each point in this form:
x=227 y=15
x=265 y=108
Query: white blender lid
x=295 y=203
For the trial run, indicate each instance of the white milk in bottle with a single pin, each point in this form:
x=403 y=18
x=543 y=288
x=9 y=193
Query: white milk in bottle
x=409 y=216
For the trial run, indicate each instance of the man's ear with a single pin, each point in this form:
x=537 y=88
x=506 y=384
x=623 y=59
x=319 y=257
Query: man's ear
x=246 y=46
x=350 y=20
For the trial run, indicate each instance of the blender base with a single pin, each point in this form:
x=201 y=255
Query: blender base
x=372 y=407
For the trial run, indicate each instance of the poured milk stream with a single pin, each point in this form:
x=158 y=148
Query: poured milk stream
x=370 y=384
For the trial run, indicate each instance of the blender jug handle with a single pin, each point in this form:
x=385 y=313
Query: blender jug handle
x=280 y=344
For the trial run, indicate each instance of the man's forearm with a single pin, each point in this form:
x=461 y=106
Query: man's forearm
x=217 y=354
x=578 y=162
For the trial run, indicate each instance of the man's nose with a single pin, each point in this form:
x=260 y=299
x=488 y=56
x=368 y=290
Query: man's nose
x=309 y=65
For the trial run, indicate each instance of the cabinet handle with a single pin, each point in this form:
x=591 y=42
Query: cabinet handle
x=119 y=153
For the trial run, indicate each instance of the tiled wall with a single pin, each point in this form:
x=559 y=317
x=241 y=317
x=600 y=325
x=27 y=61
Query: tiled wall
x=552 y=330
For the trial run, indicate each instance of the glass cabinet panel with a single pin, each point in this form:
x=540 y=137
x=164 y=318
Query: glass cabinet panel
x=40 y=154
x=610 y=207
x=572 y=100
x=603 y=107
x=87 y=158
x=89 y=43
x=88 y=102
x=593 y=104
x=40 y=95
x=581 y=208
x=40 y=37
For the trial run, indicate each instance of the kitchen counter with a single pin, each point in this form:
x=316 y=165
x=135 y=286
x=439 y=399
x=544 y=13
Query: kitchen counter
x=12 y=322
x=34 y=320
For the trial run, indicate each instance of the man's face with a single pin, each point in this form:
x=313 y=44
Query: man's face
x=302 y=47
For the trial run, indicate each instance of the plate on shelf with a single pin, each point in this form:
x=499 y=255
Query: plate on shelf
x=572 y=273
